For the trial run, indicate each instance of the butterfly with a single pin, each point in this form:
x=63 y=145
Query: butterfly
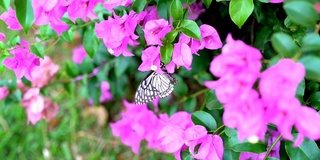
x=155 y=84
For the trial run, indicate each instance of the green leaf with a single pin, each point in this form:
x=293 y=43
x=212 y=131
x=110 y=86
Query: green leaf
x=190 y=104
x=230 y=155
x=68 y=35
x=311 y=42
x=163 y=7
x=37 y=49
x=46 y=33
x=186 y=155
x=204 y=119
x=312 y=65
x=24 y=12
x=138 y=5
x=207 y=3
x=284 y=44
x=308 y=150
x=234 y=144
x=166 y=53
x=212 y=101
x=314 y=100
x=240 y=10
x=90 y=41
x=94 y=89
x=181 y=89
x=170 y=36
x=14 y=40
x=71 y=69
x=5 y=4
x=121 y=64
x=2 y=46
x=300 y=90
x=301 y=12
x=87 y=65
x=17 y=95
x=191 y=29
x=176 y=10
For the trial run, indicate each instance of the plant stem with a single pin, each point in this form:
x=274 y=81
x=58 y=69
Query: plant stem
x=271 y=147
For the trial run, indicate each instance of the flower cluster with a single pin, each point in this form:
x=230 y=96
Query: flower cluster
x=238 y=67
x=156 y=29
x=137 y=124
x=23 y=61
x=51 y=11
x=38 y=107
x=171 y=135
x=118 y=32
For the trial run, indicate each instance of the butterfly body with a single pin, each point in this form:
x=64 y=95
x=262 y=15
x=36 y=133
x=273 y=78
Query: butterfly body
x=155 y=84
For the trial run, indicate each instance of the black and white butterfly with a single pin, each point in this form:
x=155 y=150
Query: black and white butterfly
x=155 y=84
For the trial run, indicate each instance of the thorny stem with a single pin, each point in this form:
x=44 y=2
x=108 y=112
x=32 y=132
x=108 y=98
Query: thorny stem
x=271 y=147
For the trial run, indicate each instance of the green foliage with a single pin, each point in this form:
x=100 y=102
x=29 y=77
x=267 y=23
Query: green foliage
x=24 y=14
x=166 y=53
x=139 y=5
x=5 y=4
x=240 y=11
x=308 y=150
x=301 y=12
x=204 y=119
x=191 y=29
x=37 y=49
x=311 y=63
x=284 y=44
x=176 y=10
x=90 y=41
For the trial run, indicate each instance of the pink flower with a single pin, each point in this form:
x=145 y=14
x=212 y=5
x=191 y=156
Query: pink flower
x=307 y=124
x=110 y=4
x=195 y=9
x=50 y=12
x=11 y=20
x=246 y=113
x=172 y=138
x=283 y=114
x=82 y=9
x=38 y=107
x=78 y=54
x=2 y=37
x=275 y=1
x=172 y=133
x=317 y=6
x=23 y=61
x=236 y=57
x=4 y=92
x=137 y=123
x=182 y=55
x=194 y=44
x=210 y=37
x=238 y=66
x=44 y=73
x=152 y=14
x=117 y=33
x=151 y=57
x=280 y=78
x=154 y=30
x=105 y=92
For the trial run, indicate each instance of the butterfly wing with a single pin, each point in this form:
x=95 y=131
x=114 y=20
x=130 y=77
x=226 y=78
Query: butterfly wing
x=146 y=91
x=152 y=86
